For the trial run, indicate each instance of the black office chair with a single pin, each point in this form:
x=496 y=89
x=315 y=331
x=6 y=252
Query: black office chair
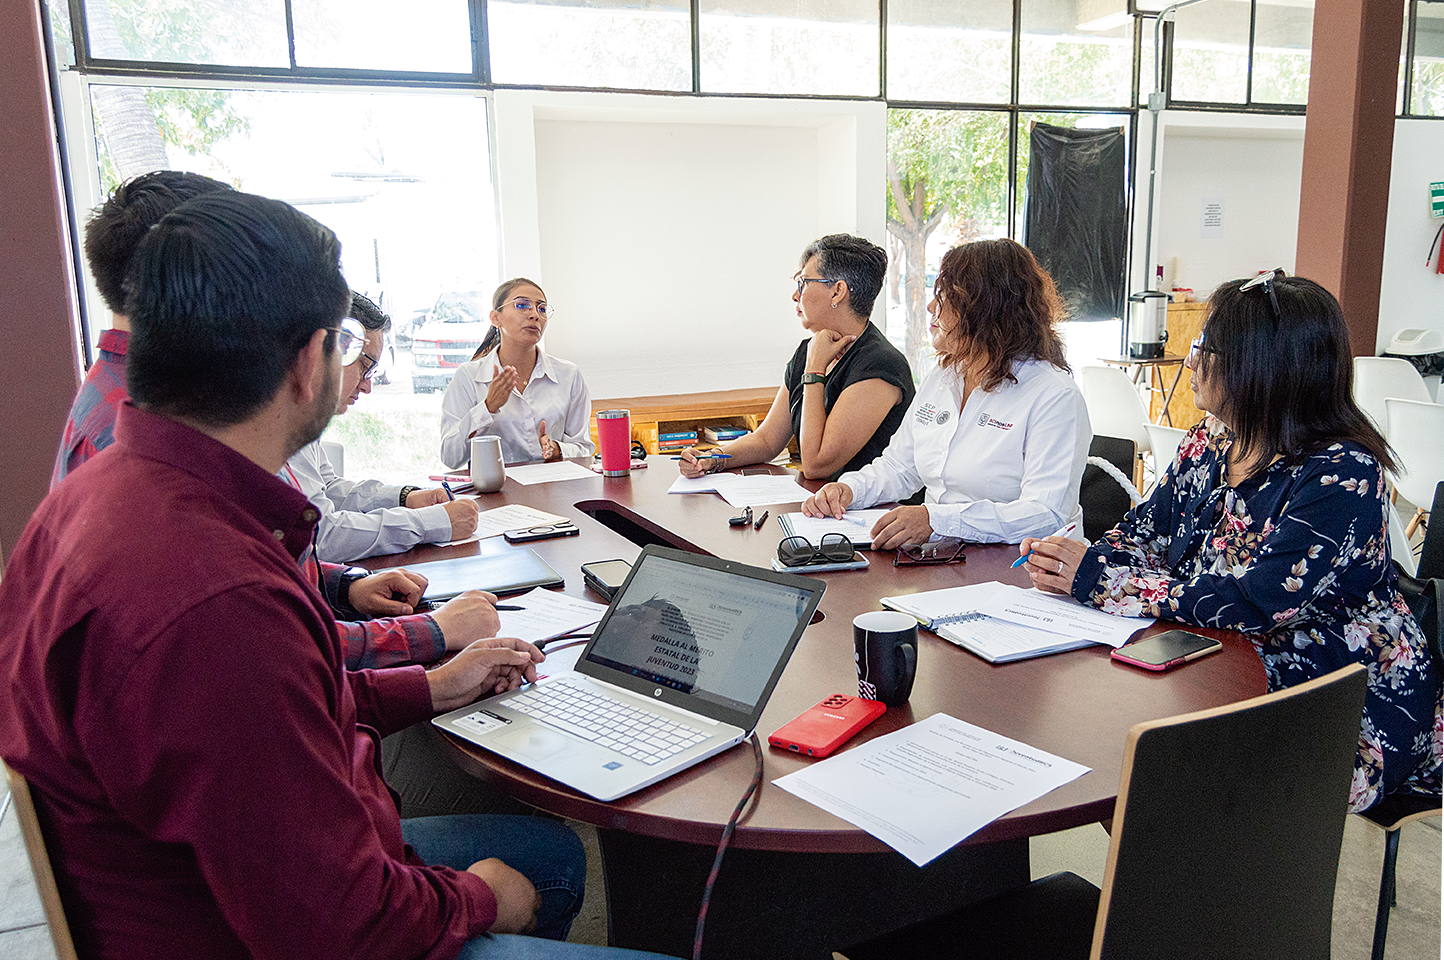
x=1226 y=838
x=1425 y=596
x=1103 y=498
x=1431 y=558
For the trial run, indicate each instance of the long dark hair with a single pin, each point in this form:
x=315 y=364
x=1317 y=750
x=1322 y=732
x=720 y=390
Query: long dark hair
x=1285 y=381
x=1007 y=305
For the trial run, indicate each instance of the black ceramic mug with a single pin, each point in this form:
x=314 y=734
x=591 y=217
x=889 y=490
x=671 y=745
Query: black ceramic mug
x=885 y=648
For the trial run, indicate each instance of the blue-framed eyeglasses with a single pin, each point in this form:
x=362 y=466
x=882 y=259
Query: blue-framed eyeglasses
x=802 y=281
x=350 y=339
x=526 y=304
x=1266 y=281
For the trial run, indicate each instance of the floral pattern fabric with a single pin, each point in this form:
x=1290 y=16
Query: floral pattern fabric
x=1297 y=558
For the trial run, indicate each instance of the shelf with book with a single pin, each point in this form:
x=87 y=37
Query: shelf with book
x=652 y=417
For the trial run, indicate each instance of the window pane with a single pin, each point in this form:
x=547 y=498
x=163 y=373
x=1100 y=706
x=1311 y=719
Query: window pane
x=240 y=33
x=405 y=181
x=1095 y=121
x=643 y=45
x=425 y=35
x=827 y=47
x=1210 y=52
x=1061 y=64
x=1283 y=36
x=951 y=186
x=60 y=34
x=941 y=50
x=1427 y=98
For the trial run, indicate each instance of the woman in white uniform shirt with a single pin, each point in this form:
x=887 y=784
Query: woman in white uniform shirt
x=998 y=433
x=537 y=404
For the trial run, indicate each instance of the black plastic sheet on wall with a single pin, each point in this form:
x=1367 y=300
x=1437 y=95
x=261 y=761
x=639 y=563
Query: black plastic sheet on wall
x=1075 y=216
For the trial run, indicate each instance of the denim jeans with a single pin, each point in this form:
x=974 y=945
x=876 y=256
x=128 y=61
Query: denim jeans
x=546 y=852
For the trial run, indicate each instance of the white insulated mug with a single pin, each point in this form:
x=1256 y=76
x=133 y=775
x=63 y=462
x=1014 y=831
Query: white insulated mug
x=488 y=472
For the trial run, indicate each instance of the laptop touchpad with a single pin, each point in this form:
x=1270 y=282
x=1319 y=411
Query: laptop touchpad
x=536 y=742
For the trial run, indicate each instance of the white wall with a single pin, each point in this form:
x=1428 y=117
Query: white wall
x=665 y=230
x=1412 y=294
x=1253 y=164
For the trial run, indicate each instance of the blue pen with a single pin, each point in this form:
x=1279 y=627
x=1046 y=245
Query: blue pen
x=1069 y=528
x=447 y=487
x=711 y=456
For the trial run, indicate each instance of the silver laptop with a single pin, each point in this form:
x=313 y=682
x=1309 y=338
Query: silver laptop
x=678 y=670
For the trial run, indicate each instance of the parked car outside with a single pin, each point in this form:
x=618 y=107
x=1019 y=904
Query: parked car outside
x=447 y=337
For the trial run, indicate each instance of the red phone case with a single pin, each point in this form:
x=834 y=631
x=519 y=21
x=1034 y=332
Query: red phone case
x=827 y=726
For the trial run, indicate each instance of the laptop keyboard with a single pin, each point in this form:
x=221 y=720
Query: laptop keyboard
x=610 y=723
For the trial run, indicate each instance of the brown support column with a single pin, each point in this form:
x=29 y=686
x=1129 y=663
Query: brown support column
x=1348 y=148
x=38 y=366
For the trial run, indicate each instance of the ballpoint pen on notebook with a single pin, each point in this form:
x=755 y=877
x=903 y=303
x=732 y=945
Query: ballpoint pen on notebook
x=446 y=485
x=709 y=456
x=1063 y=532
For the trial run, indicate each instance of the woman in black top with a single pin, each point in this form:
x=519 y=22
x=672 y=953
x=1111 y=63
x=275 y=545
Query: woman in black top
x=846 y=389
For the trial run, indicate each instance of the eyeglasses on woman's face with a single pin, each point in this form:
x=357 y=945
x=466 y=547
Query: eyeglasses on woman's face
x=527 y=304
x=802 y=282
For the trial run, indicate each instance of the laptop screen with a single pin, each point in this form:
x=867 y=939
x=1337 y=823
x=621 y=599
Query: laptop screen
x=703 y=631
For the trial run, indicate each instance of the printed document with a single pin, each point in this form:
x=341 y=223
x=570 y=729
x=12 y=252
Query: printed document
x=494 y=522
x=530 y=473
x=744 y=491
x=925 y=788
x=1056 y=614
x=856 y=525
x=546 y=614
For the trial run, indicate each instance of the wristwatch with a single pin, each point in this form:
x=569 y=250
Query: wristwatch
x=814 y=378
x=407 y=491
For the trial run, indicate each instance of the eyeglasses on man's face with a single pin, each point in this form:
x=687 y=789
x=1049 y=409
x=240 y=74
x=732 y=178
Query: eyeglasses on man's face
x=350 y=340
x=368 y=366
x=802 y=282
x=527 y=304
x=1266 y=281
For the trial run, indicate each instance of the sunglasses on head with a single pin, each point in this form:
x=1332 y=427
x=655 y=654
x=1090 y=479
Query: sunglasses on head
x=1266 y=282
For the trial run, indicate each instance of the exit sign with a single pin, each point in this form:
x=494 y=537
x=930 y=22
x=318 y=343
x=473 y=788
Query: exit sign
x=1436 y=199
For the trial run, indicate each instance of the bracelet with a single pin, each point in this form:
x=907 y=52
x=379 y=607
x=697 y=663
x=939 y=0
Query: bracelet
x=407 y=491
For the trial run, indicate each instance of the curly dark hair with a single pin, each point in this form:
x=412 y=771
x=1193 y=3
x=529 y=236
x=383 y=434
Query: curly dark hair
x=1007 y=307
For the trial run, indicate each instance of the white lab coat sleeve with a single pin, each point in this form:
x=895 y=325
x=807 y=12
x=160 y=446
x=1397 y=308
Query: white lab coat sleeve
x=1054 y=454
x=576 y=439
x=463 y=413
x=892 y=476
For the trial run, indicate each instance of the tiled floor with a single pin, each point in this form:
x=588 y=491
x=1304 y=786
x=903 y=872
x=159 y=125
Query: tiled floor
x=1414 y=928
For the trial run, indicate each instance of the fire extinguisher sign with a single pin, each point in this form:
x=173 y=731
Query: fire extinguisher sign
x=1436 y=199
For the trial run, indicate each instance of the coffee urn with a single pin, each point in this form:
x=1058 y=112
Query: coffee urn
x=1147 y=324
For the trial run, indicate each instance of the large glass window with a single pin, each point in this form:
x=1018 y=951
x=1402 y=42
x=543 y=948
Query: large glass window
x=639 y=45
x=940 y=50
x=1283 y=36
x=241 y=33
x=1210 y=52
x=825 y=47
x=1061 y=63
x=404 y=180
x=422 y=35
x=947 y=184
x=1428 y=90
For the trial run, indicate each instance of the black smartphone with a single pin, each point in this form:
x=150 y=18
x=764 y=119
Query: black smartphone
x=543 y=531
x=1166 y=650
x=606 y=576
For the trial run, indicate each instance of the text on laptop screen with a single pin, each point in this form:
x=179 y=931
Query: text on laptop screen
x=712 y=634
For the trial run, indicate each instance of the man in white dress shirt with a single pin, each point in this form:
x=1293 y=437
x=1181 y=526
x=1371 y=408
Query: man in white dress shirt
x=367 y=517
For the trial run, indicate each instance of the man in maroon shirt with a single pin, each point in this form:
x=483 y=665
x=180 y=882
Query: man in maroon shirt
x=204 y=767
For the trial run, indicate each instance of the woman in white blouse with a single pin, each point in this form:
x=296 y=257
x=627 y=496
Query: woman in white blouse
x=998 y=433
x=537 y=404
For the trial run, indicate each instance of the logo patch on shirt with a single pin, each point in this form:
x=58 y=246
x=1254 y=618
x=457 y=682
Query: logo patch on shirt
x=943 y=416
x=987 y=421
x=927 y=413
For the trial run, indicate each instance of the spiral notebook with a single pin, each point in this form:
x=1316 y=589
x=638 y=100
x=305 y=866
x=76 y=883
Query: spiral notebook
x=953 y=614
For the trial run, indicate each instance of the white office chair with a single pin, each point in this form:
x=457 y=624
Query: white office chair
x=1400 y=549
x=1416 y=432
x=1116 y=409
x=1165 y=441
x=1377 y=378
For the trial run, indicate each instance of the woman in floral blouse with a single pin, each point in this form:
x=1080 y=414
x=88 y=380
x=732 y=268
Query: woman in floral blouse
x=1272 y=521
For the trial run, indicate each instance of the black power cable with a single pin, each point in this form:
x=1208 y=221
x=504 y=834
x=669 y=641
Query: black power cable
x=722 y=845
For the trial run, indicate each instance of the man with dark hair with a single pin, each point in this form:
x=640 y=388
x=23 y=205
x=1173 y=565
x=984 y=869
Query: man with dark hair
x=401 y=637
x=111 y=236
x=367 y=517
x=204 y=765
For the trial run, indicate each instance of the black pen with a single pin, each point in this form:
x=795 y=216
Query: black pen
x=760 y=521
x=507 y=606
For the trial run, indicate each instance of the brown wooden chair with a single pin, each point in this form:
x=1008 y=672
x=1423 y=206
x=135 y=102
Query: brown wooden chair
x=1225 y=843
x=24 y=807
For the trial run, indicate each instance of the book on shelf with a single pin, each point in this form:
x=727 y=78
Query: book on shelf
x=677 y=435
x=722 y=434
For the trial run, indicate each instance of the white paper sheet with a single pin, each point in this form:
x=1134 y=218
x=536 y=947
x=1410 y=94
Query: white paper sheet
x=744 y=491
x=923 y=789
x=547 y=614
x=493 y=522
x=856 y=525
x=1048 y=611
x=529 y=473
